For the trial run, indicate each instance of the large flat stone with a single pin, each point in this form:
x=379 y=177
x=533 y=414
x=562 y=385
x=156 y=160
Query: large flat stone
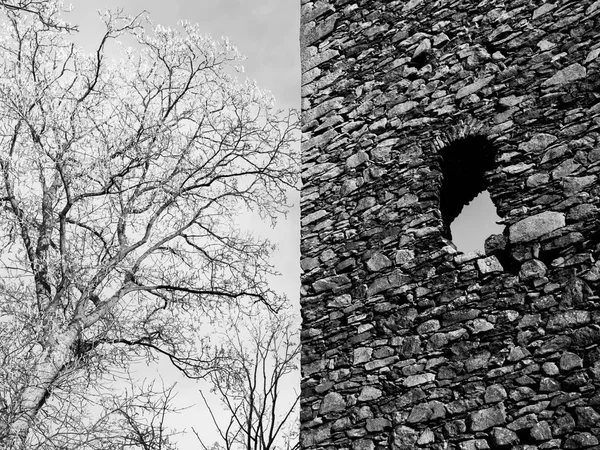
x=533 y=227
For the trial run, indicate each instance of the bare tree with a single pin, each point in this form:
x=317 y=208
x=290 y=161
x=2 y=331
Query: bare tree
x=123 y=185
x=258 y=386
x=45 y=12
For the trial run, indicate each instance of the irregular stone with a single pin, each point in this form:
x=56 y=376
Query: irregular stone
x=587 y=417
x=395 y=279
x=489 y=265
x=570 y=361
x=313 y=217
x=537 y=143
x=416 y=380
x=357 y=159
x=532 y=270
x=314 y=436
x=363 y=444
x=473 y=87
x=377 y=262
x=404 y=256
x=494 y=393
x=477 y=361
x=503 y=437
x=526 y=421
x=332 y=402
x=404 y=438
x=563 y=424
x=378 y=424
x=487 y=418
x=474 y=444
x=541 y=431
x=567 y=75
x=362 y=354
x=581 y=440
x=369 y=393
x=327 y=284
x=535 y=226
x=427 y=411
x=566 y=319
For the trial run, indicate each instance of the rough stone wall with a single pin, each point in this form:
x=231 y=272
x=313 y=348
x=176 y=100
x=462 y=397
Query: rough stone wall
x=408 y=343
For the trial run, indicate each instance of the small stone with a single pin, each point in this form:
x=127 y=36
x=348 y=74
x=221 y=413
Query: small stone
x=423 y=47
x=494 y=393
x=480 y=326
x=489 y=265
x=503 y=437
x=378 y=424
x=487 y=418
x=562 y=425
x=427 y=437
x=477 y=361
x=566 y=319
x=473 y=87
x=587 y=417
x=363 y=444
x=357 y=159
x=581 y=440
x=533 y=227
x=404 y=256
x=526 y=421
x=541 y=431
x=570 y=361
x=332 y=402
x=537 y=143
x=532 y=270
x=474 y=444
x=550 y=368
x=377 y=262
x=415 y=380
x=567 y=75
x=362 y=354
x=549 y=385
x=330 y=283
x=369 y=393
x=404 y=438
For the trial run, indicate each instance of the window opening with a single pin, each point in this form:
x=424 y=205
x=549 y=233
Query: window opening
x=475 y=223
x=463 y=165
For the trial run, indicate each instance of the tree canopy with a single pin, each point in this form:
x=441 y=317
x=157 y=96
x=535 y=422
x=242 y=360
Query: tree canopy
x=124 y=183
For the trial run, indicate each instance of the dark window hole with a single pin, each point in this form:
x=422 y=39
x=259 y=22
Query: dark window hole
x=463 y=166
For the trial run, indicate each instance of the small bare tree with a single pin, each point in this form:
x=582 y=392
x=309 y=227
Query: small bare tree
x=122 y=184
x=258 y=387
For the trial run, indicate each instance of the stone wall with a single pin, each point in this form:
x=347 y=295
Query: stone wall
x=409 y=109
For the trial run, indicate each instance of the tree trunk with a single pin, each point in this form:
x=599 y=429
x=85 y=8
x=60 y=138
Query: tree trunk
x=39 y=384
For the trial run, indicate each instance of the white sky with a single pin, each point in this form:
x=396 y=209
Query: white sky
x=266 y=31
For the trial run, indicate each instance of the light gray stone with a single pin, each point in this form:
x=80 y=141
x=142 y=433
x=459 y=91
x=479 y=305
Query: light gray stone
x=487 y=418
x=473 y=87
x=567 y=75
x=533 y=227
x=489 y=265
x=332 y=402
x=377 y=262
x=357 y=159
x=369 y=393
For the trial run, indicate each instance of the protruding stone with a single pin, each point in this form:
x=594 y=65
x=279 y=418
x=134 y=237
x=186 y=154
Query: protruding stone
x=541 y=431
x=404 y=438
x=570 y=361
x=378 y=262
x=567 y=75
x=362 y=354
x=487 y=418
x=503 y=437
x=369 y=393
x=494 y=393
x=332 y=402
x=473 y=87
x=532 y=270
x=536 y=226
x=489 y=265
x=357 y=159
x=330 y=283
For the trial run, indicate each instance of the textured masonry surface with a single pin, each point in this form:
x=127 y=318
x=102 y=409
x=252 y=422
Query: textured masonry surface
x=408 y=343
